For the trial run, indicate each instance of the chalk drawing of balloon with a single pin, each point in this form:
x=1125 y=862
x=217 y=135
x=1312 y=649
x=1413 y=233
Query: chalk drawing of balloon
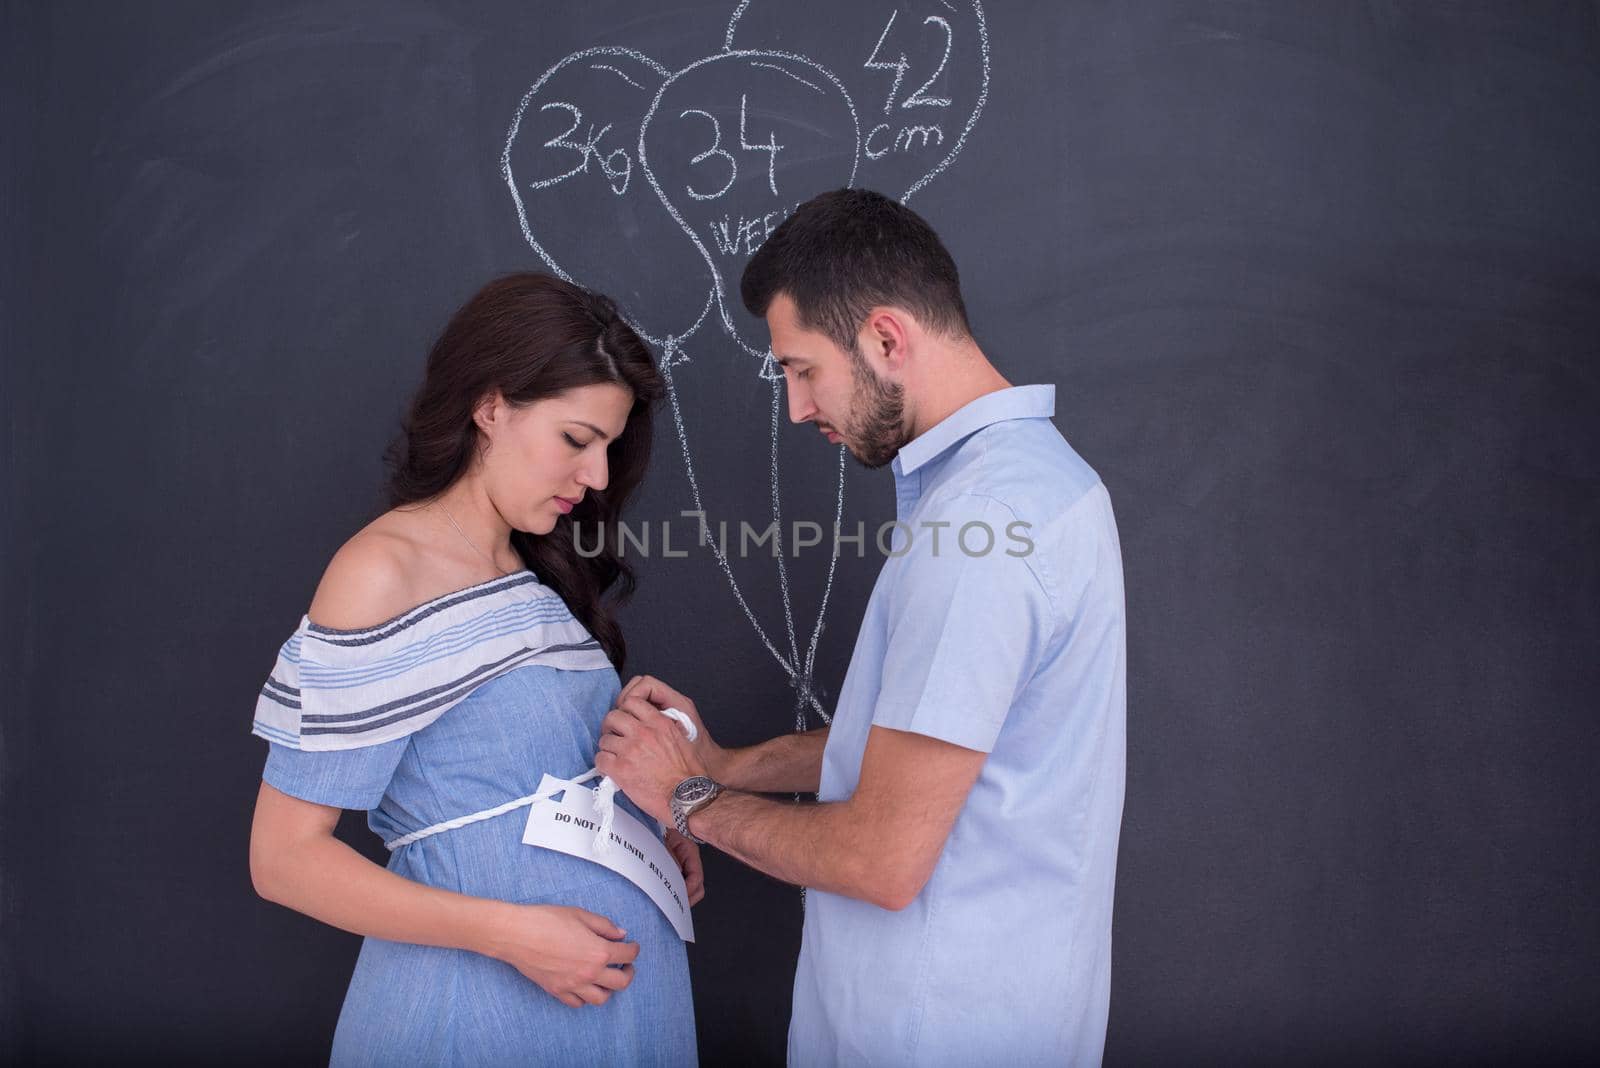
x=731 y=145
x=918 y=71
x=583 y=204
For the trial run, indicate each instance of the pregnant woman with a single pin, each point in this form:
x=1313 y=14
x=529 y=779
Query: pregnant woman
x=458 y=647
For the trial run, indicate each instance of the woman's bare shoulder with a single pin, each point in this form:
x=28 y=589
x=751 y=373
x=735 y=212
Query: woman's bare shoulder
x=371 y=578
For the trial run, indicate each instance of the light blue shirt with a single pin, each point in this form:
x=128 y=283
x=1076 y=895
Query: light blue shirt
x=1018 y=652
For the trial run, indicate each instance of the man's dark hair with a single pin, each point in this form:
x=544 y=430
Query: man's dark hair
x=843 y=253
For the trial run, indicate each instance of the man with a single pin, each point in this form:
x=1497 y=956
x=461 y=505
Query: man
x=963 y=848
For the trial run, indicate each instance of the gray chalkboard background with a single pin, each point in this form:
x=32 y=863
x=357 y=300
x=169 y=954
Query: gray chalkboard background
x=1319 y=286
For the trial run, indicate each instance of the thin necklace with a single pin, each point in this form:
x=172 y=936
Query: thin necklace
x=469 y=541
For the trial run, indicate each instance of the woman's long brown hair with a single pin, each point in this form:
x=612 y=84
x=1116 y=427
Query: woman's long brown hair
x=532 y=336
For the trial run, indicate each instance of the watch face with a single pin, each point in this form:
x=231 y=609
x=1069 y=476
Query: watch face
x=691 y=790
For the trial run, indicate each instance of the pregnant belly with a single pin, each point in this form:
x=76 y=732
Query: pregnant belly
x=489 y=859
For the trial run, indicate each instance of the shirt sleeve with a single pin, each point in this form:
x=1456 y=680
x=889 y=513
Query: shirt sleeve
x=965 y=630
x=342 y=778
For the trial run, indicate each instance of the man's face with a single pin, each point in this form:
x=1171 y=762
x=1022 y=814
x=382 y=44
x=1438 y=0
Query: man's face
x=839 y=391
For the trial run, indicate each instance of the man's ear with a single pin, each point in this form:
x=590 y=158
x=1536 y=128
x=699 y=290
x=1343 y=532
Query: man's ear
x=887 y=332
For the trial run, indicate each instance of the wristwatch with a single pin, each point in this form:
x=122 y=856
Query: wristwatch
x=691 y=795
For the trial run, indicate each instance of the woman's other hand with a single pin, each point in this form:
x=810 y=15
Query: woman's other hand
x=687 y=854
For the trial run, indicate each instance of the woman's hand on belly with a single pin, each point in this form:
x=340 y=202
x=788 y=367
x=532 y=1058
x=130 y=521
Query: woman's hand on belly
x=576 y=957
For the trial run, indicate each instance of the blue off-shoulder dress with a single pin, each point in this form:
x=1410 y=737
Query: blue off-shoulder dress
x=457 y=706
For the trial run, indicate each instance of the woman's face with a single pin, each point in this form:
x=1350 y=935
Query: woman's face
x=541 y=458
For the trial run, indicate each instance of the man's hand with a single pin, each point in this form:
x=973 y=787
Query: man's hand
x=712 y=756
x=647 y=754
x=687 y=854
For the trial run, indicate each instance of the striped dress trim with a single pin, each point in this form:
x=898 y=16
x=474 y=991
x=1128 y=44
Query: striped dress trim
x=343 y=689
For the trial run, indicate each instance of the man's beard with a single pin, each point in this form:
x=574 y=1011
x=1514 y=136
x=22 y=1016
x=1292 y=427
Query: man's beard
x=873 y=432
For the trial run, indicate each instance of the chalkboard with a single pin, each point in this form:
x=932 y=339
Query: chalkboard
x=1318 y=284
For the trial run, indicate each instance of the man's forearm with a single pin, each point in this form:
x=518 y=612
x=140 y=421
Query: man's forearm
x=816 y=845
x=790 y=763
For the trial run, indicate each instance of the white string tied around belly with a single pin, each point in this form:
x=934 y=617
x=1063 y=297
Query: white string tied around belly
x=605 y=803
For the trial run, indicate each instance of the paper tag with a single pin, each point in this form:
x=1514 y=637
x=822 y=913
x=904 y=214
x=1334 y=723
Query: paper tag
x=569 y=825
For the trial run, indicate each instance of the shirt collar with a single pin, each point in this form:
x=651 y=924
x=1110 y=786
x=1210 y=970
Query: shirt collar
x=1017 y=402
